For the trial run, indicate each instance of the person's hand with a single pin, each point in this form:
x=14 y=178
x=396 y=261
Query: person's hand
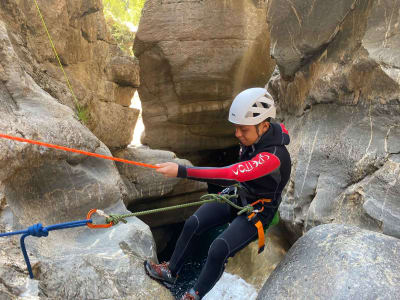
x=168 y=169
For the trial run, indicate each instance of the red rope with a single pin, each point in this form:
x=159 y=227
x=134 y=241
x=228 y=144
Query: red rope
x=77 y=151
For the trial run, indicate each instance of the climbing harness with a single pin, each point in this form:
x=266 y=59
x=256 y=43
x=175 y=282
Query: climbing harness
x=253 y=217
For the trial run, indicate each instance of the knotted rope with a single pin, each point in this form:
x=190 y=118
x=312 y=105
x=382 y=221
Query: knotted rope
x=38 y=230
x=221 y=198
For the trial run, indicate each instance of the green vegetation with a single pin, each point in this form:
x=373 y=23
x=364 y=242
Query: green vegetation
x=83 y=114
x=121 y=17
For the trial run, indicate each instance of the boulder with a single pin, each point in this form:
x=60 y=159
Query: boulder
x=149 y=190
x=99 y=264
x=82 y=263
x=337 y=262
x=196 y=58
x=109 y=118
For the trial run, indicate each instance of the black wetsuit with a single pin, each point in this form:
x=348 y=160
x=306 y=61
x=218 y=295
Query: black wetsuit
x=263 y=171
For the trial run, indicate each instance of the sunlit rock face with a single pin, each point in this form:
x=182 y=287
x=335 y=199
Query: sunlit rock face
x=341 y=104
x=195 y=56
x=102 y=78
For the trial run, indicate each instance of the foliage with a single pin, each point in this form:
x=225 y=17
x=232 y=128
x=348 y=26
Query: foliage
x=121 y=16
x=83 y=114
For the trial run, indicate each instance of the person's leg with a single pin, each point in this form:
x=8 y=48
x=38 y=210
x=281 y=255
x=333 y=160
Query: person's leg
x=239 y=234
x=208 y=216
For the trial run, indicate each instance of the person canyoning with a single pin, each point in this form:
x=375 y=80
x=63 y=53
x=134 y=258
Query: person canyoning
x=258 y=179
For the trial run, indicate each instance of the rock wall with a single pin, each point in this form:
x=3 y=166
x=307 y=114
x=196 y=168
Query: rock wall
x=150 y=190
x=39 y=184
x=194 y=58
x=338 y=88
x=102 y=78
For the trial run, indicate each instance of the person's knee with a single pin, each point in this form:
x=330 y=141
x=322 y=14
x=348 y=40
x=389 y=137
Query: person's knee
x=219 y=251
x=191 y=225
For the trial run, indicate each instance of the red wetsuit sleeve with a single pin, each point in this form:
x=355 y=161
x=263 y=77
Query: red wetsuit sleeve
x=262 y=164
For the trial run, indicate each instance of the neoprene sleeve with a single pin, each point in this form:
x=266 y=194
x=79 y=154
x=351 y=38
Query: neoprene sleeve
x=262 y=164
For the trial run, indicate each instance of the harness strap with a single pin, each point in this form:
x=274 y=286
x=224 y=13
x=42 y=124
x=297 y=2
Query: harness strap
x=261 y=236
x=253 y=217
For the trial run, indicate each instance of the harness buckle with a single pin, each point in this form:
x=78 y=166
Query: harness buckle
x=257 y=222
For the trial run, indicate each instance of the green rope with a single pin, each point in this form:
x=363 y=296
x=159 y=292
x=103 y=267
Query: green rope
x=204 y=199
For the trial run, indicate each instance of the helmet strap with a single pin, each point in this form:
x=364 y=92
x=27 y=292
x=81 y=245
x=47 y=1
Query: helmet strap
x=258 y=133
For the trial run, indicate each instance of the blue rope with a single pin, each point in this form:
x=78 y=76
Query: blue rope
x=39 y=231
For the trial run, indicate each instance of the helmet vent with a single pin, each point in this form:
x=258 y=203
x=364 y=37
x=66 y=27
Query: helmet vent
x=261 y=104
x=252 y=114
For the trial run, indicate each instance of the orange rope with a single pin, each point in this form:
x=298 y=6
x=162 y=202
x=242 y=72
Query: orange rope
x=77 y=151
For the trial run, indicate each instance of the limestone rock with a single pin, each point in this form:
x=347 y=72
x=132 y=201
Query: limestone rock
x=14 y=278
x=90 y=57
x=50 y=186
x=342 y=109
x=149 y=190
x=347 y=71
x=35 y=177
x=255 y=268
x=302 y=29
x=99 y=264
x=343 y=171
x=381 y=39
x=109 y=118
x=124 y=70
x=193 y=62
x=337 y=262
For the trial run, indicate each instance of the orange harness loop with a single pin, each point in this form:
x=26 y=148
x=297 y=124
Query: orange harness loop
x=258 y=224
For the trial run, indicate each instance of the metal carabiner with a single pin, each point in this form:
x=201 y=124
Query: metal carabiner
x=101 y=213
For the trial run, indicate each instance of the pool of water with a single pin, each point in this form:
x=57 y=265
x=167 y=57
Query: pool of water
x=195 y=261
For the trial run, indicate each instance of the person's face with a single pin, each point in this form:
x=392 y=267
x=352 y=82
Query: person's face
x=248 y=134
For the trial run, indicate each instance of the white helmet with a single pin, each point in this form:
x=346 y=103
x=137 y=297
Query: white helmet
x=251 y=107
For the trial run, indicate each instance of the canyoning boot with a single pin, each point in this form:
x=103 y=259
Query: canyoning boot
x=191 y=295
x=160 y=272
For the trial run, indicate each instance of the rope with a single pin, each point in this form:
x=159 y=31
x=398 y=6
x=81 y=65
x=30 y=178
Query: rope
x=39 y=231
x=76 y=151
x=115 y=219
x=58 y=58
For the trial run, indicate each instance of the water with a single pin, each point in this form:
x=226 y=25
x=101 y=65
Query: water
x=195 y=261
